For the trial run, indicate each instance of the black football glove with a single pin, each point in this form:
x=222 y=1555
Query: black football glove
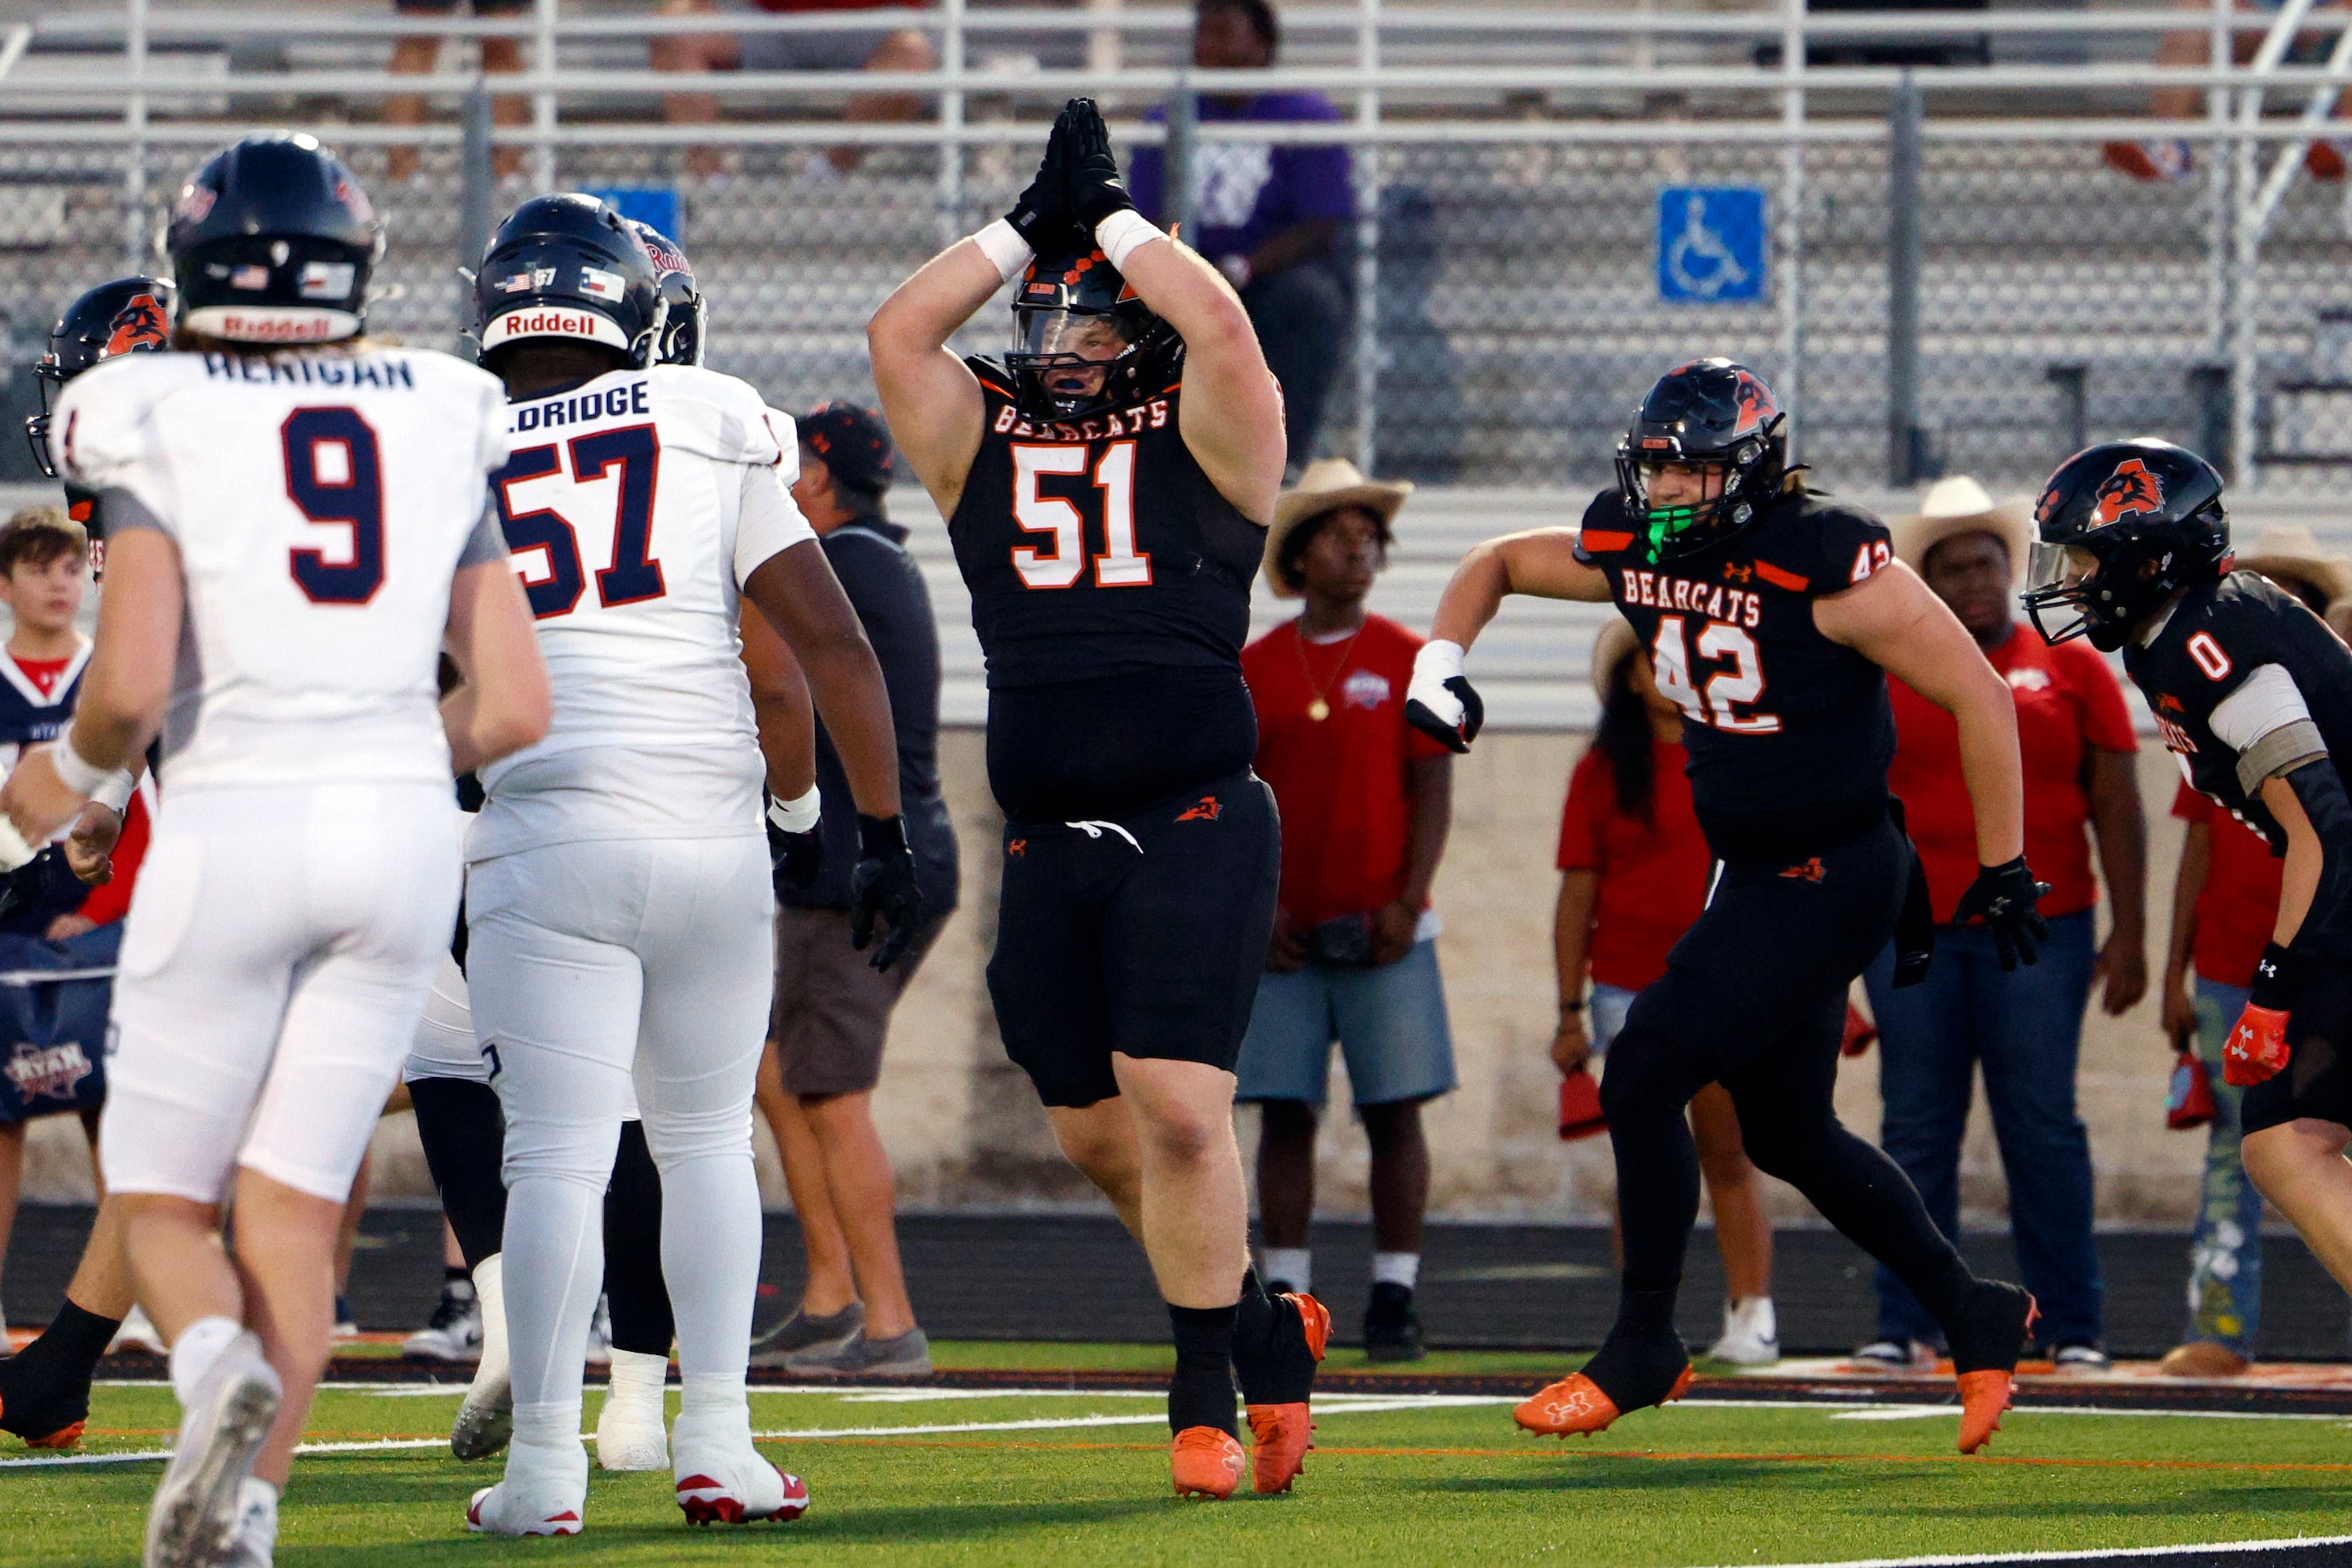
x=795 y=860
x=1042 y=215
x=2003 y=897
x=883 y=883
x=1095 y=188
x=30 y=882
x=1440 y=703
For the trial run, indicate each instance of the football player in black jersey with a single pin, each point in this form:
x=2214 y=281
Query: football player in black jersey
x=1108 y=489
x=1771 y=618
x=2254 y=693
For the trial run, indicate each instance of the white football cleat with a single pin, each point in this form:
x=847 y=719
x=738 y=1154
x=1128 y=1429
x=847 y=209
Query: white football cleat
x=630 y=1434
x=1751 y=1333
x=257 y=1527
x=455 y=1332
x=722 y=1479
x=545 y=1492
x=485 y=1421
x=137 y=1336
x=199 y=1505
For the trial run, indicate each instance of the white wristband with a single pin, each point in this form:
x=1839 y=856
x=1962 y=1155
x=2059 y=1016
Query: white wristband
x=795 y=816
x=14 y=850
x=81 y=777
x=1004 y=248
x=1438 y=660
x=116 y=791
x=1123 y=233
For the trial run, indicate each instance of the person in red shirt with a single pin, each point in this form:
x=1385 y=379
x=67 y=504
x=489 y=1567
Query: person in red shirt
x=2024 y=1028
x=1365 y=802
x=1635 y=870
x=2224 y=906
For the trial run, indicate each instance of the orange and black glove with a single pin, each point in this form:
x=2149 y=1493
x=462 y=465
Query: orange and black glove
x=2257 y=1050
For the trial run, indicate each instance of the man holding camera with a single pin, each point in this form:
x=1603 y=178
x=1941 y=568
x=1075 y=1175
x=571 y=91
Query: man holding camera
x=1365 y=802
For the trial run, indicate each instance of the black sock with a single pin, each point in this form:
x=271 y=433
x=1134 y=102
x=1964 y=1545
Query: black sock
x=46 y=1387
x=453 y=1273
x=1201 y=1394
x=1637 y=1364
x=635 y=1291
x=464 y=1134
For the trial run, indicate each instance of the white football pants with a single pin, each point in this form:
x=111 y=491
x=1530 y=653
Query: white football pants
x=591 y=964
x=276 y=961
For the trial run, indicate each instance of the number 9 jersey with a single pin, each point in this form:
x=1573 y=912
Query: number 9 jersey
x=321 y=502
x=1788 y=732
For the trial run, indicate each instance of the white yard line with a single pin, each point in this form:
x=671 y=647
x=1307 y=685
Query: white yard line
x=2084 y=1555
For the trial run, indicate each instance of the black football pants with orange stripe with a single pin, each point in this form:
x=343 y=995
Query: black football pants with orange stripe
x=1754 y=998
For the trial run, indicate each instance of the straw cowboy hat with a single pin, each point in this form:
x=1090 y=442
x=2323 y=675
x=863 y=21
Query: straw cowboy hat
x=1329 y=484
x=1615 y=641
x=2293 y=554
x=1959 y=505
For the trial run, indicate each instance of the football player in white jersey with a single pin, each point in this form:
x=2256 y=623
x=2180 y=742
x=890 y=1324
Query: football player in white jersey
x=618 y=892
x=297 y=527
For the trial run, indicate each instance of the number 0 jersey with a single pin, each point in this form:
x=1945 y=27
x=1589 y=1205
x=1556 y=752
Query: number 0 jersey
x=2243 y=679
x=1785 y=728
x=321 y=500
x=1110 y=583
x=638 y=505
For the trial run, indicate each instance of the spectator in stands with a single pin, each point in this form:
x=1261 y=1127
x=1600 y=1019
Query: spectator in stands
x=1365 y=802
x=416 y=56
x=2170 y=159
x=1633 y=876
x=843 y=48
x=2225 y=905
x=1268 y=215
x=2023 y=1027
x=53 y=1059
x=832 y=1009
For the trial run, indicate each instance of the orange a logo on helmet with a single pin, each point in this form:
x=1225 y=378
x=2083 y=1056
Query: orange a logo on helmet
x=2131 y=488
x=140 y=324
x=1756 y=405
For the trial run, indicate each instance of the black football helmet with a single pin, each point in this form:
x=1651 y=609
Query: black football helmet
x=271 y=242
x=129 y=315
x=569 y=267
x=1083 y=339
x=2120 y=528
x=681 y=337
x=1710 y=413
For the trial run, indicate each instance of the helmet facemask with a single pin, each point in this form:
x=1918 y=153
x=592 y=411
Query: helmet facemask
x=1735 y=482
x=2112 y=578
x=1068 y=360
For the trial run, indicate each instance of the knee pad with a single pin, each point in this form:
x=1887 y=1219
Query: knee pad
x=580 y=1152
x=674 y=1137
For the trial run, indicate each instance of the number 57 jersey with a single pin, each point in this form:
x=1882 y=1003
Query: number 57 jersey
x=637 y=505
x=321 y=502
x=1779 y=721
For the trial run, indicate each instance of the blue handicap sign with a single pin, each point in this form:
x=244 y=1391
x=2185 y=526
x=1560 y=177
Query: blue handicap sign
x=1711 y=244
x=655 y=205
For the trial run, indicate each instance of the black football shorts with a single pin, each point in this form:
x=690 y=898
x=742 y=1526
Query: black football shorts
x=2317 y=1081
x=1144 y=935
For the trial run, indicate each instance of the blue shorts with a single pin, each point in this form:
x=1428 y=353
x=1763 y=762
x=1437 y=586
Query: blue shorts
x=1389 y=1022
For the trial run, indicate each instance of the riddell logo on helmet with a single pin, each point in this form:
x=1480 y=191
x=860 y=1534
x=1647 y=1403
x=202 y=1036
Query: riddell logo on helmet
x=2131 y=488
x=305 y=327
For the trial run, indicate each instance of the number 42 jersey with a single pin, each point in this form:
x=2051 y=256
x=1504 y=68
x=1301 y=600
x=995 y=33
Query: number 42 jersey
x=638 y=505
x=1779 y=721
x=321 y=500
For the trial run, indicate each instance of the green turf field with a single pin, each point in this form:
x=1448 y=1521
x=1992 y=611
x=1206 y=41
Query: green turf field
x=1080 y=1476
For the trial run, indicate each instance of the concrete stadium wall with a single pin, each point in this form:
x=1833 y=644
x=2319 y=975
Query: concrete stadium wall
x=966 y=1132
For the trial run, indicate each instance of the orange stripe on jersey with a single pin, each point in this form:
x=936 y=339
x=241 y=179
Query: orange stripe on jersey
x=1780 y=579
x=1606 y=539
x=999 y=391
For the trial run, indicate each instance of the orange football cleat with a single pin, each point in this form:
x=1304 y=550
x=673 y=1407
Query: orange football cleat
x=1205 y=1462
x=1983 y=1396
x=1282 y=1434
x=63 y=1438
x=1576 y=1406
x=1314 y=1317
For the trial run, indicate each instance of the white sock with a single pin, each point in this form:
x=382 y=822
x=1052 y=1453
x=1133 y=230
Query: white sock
x=711 y=1260
x=1295 y=1265
x=636 y=1380
x=709 y=1400
x=489 y=1289
x=193 y=1353
x=555 y=1238
x=1396 y=1268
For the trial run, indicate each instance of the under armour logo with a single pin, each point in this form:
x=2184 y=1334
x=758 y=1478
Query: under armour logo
x=1205 y=810
x=1811 y=871
x=1018 y=847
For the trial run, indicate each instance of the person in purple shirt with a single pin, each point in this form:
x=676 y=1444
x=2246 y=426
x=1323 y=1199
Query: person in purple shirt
x=1267 y=215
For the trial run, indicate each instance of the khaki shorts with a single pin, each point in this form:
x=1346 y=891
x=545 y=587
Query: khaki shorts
x=833 y=1010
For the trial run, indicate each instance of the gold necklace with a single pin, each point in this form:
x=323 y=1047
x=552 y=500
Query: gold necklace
x=1317 y=708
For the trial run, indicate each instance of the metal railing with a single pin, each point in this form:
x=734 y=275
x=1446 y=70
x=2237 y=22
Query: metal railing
x=1494 y=225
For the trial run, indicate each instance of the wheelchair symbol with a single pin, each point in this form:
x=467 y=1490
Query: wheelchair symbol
x=1698 y=261
x=1711 y=243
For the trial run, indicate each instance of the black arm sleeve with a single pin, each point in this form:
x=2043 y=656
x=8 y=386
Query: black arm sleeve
x=2327 y=930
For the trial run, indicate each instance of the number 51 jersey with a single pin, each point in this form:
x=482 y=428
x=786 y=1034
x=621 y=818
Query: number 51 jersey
x=1779 y=720
x=321 y=500
x=636 y=506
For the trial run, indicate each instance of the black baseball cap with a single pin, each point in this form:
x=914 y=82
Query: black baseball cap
x=854 y=443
